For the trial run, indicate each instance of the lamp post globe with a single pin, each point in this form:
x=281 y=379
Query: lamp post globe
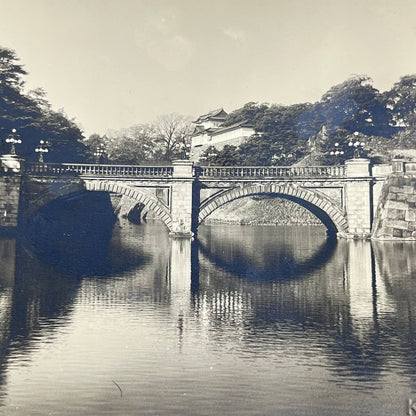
x=99 y=152
x=41 y=149
x=13 y=138
x=356 y=145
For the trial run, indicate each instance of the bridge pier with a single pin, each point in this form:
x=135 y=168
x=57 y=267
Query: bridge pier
x=358 y=198
x=10 y=184
x=181 y=199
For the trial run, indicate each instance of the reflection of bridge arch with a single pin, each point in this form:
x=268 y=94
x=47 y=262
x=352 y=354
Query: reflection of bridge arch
x=286 y=268
x=320 y=205
x=65 y=189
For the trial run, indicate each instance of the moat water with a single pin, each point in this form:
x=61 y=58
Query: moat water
x=245 y=321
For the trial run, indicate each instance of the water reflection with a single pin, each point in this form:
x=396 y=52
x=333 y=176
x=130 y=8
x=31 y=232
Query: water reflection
x=252 y=301
x=395 y=268
x=7 y=267
x=272 y=254
x=338 y=300
x=27 y=296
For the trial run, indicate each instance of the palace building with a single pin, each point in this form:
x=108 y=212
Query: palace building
x=210 y=131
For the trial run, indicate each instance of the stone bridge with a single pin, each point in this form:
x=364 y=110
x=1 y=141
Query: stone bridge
x=343 y=197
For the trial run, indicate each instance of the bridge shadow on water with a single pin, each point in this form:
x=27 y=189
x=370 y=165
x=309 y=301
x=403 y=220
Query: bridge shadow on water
x=78 y=234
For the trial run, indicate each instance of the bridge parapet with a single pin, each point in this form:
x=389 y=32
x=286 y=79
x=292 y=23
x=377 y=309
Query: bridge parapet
x=184 y=169
x=271 y=171
x=98 y=170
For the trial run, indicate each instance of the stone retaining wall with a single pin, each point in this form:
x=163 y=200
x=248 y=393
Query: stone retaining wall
x=263 y=211
x=396 y=214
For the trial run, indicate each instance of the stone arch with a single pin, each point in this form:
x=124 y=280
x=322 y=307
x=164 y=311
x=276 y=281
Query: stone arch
x=148 y=201
x=64 y=189
x=320 y=205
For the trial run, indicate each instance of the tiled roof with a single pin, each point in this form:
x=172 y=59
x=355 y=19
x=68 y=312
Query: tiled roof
x=218 y=113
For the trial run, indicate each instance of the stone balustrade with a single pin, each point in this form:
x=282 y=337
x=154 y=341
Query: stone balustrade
x=203 y=172
x=98 y=170
x=272 y=172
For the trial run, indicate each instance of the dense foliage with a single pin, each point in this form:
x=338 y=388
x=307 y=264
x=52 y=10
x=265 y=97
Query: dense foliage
x=33 y=118
x=353 y=111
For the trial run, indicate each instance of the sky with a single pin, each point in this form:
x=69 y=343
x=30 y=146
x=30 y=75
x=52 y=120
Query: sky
x=111 y=64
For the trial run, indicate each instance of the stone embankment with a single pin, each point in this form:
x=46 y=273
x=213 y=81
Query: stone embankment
x=396 y=213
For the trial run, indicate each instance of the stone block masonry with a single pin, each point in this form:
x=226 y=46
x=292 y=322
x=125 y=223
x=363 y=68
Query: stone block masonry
x=358 y=198
x=9 y=200
x=358 y=206
x=396 y=213
x=181 y=208
x=10 y=184
x=182 y=199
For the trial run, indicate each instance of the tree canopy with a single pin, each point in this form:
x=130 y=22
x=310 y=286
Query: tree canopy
x=351 y=109
x=162 y=141
x=33 y=118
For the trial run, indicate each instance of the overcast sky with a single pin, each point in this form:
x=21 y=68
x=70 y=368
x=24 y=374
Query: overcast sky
x=114 y=63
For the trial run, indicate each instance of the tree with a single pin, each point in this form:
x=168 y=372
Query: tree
x=227 y=156
x=11 y=71
x=32 y=116
x=162 y=141
x=251 y=113
x=277 y=138
x=401 y=100
x=355 y=105
x=173 y=132
x=134 y=145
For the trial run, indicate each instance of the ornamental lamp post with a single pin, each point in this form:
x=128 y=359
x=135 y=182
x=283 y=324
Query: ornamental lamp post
x=13 y=138
x=337 y=152
x=357 y=145
x=41 y=149
x=211 y=155
x=99 y=151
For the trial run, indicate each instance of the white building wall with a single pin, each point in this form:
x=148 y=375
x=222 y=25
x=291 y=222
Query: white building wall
x=232 y=135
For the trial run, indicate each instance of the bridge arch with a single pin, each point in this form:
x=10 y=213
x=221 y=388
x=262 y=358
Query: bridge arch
x=141 y=197
x=64 y=189
x=320 y=205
